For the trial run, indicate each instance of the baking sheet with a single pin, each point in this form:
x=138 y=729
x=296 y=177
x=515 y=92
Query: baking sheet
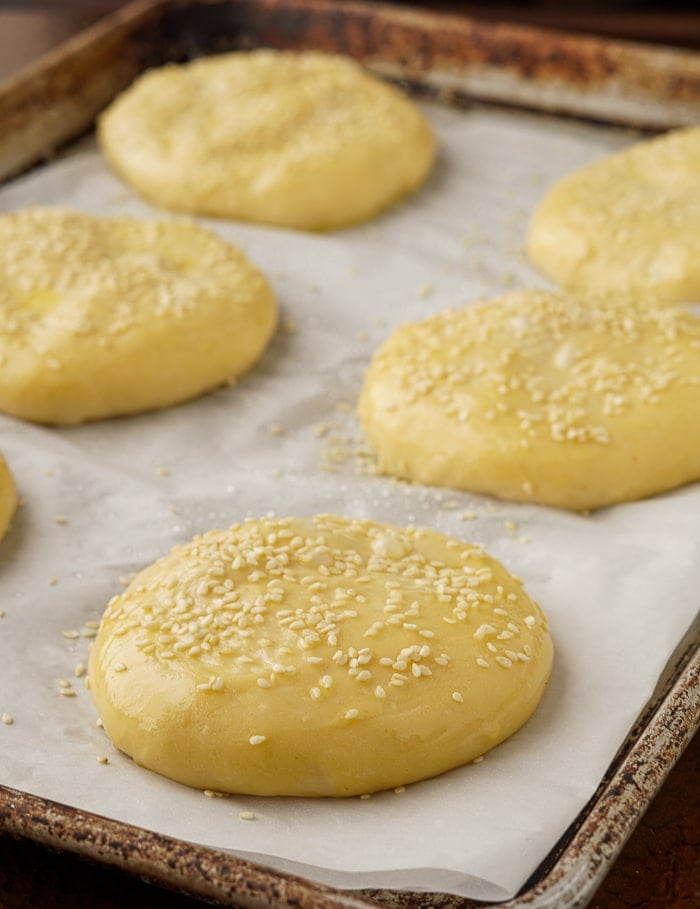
x=619 y=587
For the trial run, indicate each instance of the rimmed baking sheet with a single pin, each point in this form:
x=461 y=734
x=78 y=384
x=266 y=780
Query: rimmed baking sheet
x=130 y=488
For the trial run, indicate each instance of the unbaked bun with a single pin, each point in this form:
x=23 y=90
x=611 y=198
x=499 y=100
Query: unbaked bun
x=559 y=399
x=317 y=657
x=630 y=222
x=303 y=140
x=8 y=496
x=108 y=316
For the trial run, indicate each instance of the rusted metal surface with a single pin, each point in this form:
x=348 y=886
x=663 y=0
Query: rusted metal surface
x=461 y=59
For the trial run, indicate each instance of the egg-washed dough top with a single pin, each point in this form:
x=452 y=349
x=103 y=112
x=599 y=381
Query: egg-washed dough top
x=65 y=274
x=630 y=221
x=306 y=139
x=270 y=599
x=319 y=656
x=8 y=496
x=103 y=316
x=536 y=390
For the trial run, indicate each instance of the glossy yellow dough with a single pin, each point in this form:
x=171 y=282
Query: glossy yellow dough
x=558 y=399
x=302 y=140
x=317 y=657
x=8 y=497
x=108 y=316
x=630 y=222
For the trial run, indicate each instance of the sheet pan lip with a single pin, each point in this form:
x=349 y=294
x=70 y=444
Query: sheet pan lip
x=202 y=871
x=565 y=885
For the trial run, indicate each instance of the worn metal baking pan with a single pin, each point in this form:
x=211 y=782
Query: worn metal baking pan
x=461 y=60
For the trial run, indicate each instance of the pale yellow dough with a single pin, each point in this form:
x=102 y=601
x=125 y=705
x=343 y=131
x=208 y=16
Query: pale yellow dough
x=317 y=657
x=559 y=399
x=302 y=140
x=8 y=497
x=630 y=222
x=108 y=316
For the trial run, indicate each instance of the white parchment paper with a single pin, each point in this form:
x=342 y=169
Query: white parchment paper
x=620 y=587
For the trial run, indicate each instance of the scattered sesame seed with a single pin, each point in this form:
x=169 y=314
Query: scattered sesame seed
x=163 y=472
x=246 y=815
x=79 y=670
x=70 y=634
x=7 y=719
x=352 y=714
x=456 y=696
x=52 y=582
x=61 y=519
x=257 y=739
x=102 y=759
x=365 y=796
x=399 y=789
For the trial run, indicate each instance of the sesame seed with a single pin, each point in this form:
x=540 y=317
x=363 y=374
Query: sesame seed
x=399 y=789
x=102 y=759
x=61 y=519
x=257 y=739
x=365 y=796
x=70 y=634
x=456 y=696
x=504 y=661
x=352 y=714
x=7 y=719
x=79 y=670
x=246 y=815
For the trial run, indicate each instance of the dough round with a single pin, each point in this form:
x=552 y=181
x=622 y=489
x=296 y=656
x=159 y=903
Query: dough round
x=630 y=222
x=8 y=497
x=558 y=399
x=303 y=140
x=108 y=316
x=317 y=657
